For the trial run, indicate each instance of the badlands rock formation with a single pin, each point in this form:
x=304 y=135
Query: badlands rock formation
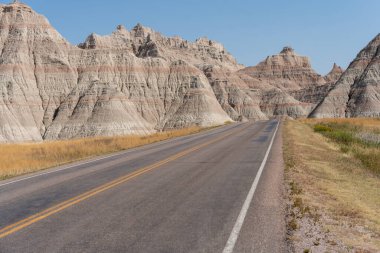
x=283 y=84
x=334 y=74
x=237 y=96
x=286 y=71
x=125 y=83
x=288 y=84
x=357 y=93
x=136 y=82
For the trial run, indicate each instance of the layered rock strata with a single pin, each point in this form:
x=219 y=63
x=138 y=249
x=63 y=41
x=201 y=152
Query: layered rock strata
x=137 y=82
x=287 y=83
x=286 y=71
x=357 y=93
x=125 y=83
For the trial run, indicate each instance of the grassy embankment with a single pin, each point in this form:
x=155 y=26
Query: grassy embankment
x=333 y=173
x=19 y=159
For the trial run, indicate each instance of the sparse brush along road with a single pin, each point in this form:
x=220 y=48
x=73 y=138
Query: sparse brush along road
x=215 y=191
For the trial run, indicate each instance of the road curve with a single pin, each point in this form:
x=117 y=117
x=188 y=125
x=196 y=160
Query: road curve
x=216 y=191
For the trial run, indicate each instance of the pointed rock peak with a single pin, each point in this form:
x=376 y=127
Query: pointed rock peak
x=336 y=68
x=375 y=42
x=140 y=27
x=23 y=15
x=92 y=36
x=370 y=50
x=141 y=31
x=90 y=42
x=377 y=37
x=287 y=50
x=121 y=28
x=334 y=74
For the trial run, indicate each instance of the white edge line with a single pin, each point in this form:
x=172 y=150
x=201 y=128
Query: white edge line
x=91 y=161
x=230 y=245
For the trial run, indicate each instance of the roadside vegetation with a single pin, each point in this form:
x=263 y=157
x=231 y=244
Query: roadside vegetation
x=355 y=138
x=333 y=181
x=19 y=159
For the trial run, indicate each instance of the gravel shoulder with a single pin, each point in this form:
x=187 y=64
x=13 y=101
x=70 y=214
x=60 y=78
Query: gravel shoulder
x=332 y=201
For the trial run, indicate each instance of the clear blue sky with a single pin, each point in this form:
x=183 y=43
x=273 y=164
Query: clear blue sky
x=326 y=30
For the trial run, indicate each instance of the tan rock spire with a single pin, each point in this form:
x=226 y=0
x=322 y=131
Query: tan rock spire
x=334 y=74
x=287 y=50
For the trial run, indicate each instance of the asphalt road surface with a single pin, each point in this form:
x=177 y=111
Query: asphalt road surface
x=216 y=191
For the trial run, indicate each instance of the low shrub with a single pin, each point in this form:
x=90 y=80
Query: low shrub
x=321 y=128
x=341 y=136
x=362 y=142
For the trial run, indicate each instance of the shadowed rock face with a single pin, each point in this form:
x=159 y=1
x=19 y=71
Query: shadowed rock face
x=357 y=92
x=124 y=83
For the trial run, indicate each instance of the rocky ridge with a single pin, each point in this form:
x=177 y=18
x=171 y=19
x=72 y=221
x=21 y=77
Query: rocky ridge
x=136 y=82
x=286 y=71
x=357 y=93
x=106 y=86
x=282 y=84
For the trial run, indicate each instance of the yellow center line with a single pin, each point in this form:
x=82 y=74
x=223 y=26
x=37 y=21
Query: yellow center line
x=75 y=200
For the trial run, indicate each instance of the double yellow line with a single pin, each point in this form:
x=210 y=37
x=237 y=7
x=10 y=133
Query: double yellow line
x=8 y=230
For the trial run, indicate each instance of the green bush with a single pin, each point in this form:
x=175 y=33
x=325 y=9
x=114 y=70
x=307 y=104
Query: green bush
x=321 y=128
x=365 y=145
x=342 y=137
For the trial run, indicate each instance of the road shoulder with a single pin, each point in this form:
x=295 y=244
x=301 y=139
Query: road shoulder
x=264 y=228
x=333 y=202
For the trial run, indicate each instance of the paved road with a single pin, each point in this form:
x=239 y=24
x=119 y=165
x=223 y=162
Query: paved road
x=199 y=193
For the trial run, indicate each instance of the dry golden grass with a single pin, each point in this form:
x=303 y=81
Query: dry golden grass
x=335 y=184
x=19 y=159
x=357 y=137
x=367 y=123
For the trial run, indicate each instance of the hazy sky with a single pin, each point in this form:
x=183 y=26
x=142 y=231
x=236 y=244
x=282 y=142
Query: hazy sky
x=327 y=31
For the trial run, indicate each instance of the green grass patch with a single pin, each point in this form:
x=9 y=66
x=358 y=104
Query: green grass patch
x=354 y=139
x=341 y=136
x=322 y=128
